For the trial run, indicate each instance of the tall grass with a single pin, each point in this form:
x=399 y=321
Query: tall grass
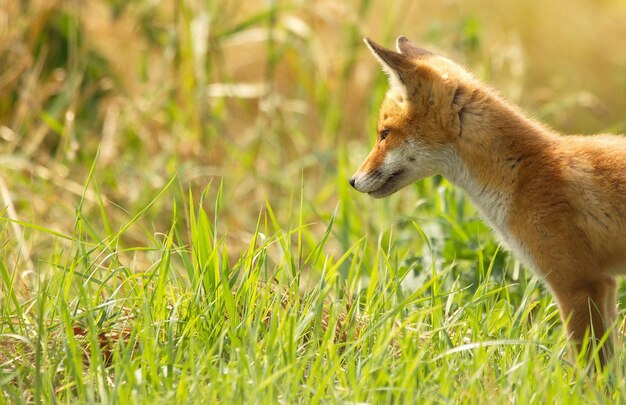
x=176 y=224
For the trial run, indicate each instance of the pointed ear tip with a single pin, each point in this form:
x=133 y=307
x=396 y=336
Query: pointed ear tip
x=374 y=47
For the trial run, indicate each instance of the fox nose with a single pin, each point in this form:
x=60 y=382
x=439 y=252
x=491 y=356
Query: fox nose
x=352 y=181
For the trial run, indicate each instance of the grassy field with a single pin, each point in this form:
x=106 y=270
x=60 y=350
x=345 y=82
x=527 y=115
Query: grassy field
x=176 y=224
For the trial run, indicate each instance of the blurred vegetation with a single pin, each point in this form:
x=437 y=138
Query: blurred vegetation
x=103 y=103
x=276 y=100
x=262 y=94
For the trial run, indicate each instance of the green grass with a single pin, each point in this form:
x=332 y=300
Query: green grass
x=170 y=236
x=271 y=323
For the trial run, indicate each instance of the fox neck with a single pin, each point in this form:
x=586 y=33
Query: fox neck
x=495 y=143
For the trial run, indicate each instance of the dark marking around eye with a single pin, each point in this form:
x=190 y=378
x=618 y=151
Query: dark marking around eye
x=383 y=134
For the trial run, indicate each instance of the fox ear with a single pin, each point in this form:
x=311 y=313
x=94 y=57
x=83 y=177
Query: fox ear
x=406 y=47
x=395 y=64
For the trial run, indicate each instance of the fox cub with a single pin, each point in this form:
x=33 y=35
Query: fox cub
x=558 y=202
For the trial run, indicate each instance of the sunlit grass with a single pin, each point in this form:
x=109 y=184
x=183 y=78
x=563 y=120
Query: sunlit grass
x=274 y=325
x=176 y=223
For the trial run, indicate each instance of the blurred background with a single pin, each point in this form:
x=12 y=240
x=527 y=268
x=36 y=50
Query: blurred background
x=275 y=100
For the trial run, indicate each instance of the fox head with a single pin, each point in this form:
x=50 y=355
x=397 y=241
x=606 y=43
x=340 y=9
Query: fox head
x=419 y=121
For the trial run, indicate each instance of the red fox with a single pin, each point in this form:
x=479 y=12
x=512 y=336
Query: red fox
x=557 y=202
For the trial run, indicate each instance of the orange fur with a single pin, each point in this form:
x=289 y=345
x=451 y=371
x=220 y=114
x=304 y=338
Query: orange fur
x=558 y=202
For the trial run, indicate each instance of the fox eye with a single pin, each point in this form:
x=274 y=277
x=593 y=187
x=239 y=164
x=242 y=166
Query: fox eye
x=383 y=134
